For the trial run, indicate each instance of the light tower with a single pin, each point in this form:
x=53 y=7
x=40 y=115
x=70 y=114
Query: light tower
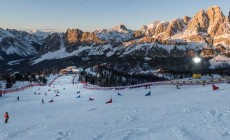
x=197 y=61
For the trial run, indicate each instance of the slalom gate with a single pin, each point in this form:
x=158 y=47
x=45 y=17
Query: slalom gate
x=53 y=80
x=160 y=83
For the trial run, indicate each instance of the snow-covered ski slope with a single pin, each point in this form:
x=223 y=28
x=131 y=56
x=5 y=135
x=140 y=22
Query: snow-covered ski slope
x=189 y=113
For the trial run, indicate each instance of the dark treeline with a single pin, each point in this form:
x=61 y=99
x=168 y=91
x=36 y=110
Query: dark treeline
x=104 y=76
x=175 y=74
x=32 y=77
x=107 y=75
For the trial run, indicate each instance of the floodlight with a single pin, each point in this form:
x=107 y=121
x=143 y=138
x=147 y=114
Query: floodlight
x=197 y=59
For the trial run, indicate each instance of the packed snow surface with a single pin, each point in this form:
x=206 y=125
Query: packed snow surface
x=188 y=113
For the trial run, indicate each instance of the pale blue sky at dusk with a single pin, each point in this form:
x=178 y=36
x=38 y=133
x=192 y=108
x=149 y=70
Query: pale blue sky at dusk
x=89 y=15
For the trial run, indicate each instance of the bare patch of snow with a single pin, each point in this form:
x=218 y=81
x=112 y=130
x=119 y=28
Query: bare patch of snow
x=1 y=58
x=15 y=62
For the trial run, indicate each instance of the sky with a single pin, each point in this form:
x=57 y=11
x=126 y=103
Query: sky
x=89 y=15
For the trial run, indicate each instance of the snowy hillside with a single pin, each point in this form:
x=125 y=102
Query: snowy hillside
x=219 y=61
x=192 y=112
x=40 y=34
x=146 y=50
x=18 y=42
x=119 y=33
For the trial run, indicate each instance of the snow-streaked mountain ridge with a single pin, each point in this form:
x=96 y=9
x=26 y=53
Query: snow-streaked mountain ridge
x=205 y=34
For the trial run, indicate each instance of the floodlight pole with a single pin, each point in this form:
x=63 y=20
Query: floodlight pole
x=98 y=76
x=197 y=61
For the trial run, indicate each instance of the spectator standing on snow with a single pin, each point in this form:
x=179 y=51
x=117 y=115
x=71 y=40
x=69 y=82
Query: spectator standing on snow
x=18 y=98
x=43 y=101
x=6 y=116
x=177 y=86
x=203 y=83
x=211 y=77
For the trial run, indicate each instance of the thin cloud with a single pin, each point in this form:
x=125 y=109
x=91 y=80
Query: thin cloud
x=42 y=29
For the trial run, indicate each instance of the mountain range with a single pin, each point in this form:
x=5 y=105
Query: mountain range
x=168 y=44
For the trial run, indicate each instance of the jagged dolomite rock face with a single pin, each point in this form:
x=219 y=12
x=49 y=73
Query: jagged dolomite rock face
x=186 y=19
x=73 y=35
x=229 y=17
x=216 y=19
x=198 y=22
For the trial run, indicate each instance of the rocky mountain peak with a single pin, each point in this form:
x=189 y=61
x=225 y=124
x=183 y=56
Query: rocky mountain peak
x=176 y=25
x=164 y=30
x=120 y=28
x=1 y=29
x=216 y=18
x=3 y=33
x=33 y=31
x=90 y=38
x=211 y=22
x=73 y=38
x=40 y=34
x=73 y=35
x=214 y=9
x=186 y=19
x=155 y=28
x=119 y=34
x=229 y=17
x=199 y=22
x=51 y=43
